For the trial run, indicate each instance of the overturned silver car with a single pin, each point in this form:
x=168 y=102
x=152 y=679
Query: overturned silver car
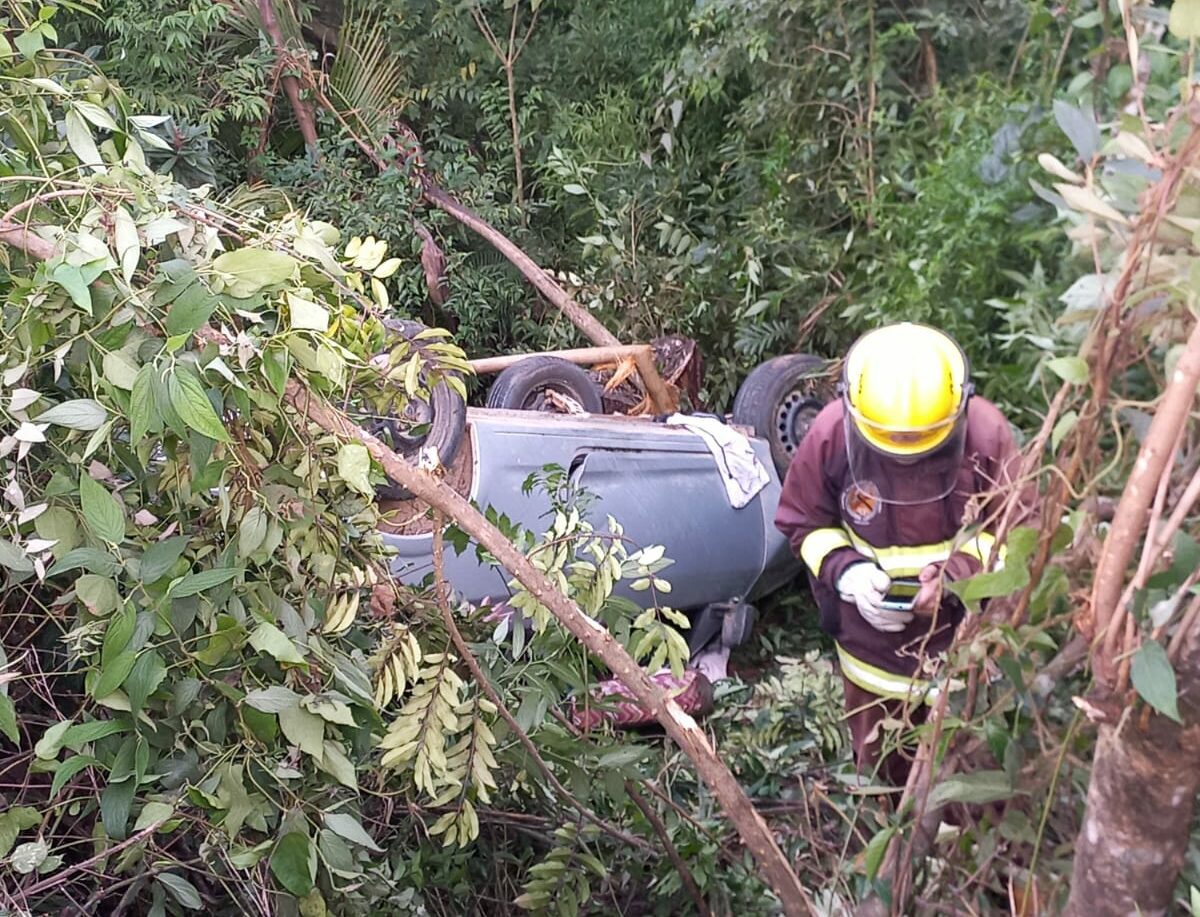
x=704 y=488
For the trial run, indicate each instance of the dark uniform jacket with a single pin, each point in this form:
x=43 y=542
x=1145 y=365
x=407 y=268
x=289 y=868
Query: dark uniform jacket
x=833 y=522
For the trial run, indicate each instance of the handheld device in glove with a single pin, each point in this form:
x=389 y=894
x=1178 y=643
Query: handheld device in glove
x=864 y=586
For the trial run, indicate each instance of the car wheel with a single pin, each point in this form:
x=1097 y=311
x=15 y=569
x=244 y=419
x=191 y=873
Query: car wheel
x=534 y=383
x=439 y=422
x=780 y=399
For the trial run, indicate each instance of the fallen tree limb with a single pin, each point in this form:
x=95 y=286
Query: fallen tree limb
x=533 y=272
x=682 y=729
x=434 y=194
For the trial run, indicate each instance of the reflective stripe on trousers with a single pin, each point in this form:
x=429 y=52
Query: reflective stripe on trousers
x=884 y=684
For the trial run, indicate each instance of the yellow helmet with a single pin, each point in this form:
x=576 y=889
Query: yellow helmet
x=905 y=388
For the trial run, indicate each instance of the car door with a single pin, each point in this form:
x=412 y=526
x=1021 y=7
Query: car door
x=677 y=498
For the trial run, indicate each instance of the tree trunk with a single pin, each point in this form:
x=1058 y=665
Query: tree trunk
x=291 y=85
x=1140 y=805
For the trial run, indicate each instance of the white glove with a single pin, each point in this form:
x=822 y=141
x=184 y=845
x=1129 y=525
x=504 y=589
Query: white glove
x=864 y=585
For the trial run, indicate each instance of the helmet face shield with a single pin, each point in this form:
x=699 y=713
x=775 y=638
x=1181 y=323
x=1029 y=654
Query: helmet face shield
x=894 y=475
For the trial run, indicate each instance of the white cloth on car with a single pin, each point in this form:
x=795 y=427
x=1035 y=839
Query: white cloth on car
x=742 y=472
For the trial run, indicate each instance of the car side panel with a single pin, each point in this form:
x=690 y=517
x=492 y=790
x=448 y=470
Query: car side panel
x=659 y=482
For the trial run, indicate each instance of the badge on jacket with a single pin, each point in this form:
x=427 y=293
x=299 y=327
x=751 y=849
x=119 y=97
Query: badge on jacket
x=861 y=501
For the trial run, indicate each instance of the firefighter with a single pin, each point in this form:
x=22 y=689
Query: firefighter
x=880 y=490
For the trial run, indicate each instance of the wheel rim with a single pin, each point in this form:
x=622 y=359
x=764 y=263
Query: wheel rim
x=793 y=418
x=398 y=427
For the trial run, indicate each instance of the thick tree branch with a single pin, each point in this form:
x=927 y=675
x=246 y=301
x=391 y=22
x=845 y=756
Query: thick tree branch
x=541 y=280
x=291 y=84
x=23 y=239
x=754 y=832
x=1129 y=522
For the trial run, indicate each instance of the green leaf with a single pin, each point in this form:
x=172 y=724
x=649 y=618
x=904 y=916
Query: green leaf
x=125 y=240
x=1154 y=679
x=1065 y=425
x=143 y=414
x=29 y=856
x=290 y=863
x=347 y=826
x=307 y=315
x=90 y=559
x=68 y=769
x=1069 y=369
x=160 y=557
x=79 y=139
x=977 y=788
x=152 y=813
x=104 y=515
x=329 y=709
x=195 y=583
x=305 y=731
x=70 y=278
x=336 y=764
x=272 y=699
x=81 y=734
x=991 y=585
x=1184 y=20
x=190 y=310
x=252 y=531
x=14 y=558
x=78 y=414
x=193 y=407
x=245 y=271
x=29 y=44
x=60 y=525
x=113 y=673
x=115 y=803
x=181 y=890
x=8 y=719
x=269 y=639
x=354 y=466
x=144 y=678
x=98 y=593
x=51 y=742
x=13 y=822
x=118 y=634
x=120 y=370
x=1080 y=127
x=275 y=367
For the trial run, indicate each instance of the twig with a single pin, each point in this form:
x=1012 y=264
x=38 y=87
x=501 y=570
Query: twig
x=60 y=877
x=685 y=874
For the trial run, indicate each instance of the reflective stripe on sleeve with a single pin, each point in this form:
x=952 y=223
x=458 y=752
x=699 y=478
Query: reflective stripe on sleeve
x=819 y=544
x=909 y=560
x=884 y=684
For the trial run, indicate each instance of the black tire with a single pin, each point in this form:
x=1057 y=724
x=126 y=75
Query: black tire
x=523 y=386
x=780 y=399
x=443 y=419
